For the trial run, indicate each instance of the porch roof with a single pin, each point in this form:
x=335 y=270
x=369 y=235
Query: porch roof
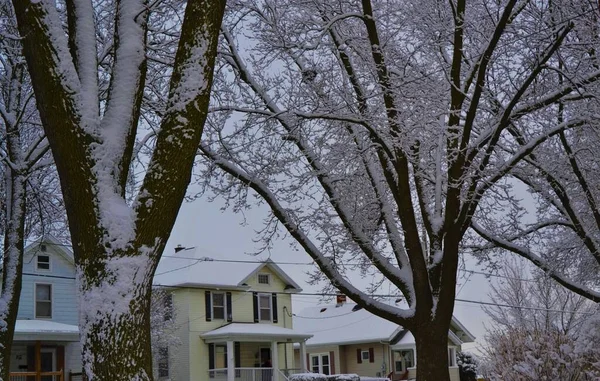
x=254 y=332
x=45 y=330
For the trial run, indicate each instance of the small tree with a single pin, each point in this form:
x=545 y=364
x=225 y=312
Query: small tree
x=467 y=366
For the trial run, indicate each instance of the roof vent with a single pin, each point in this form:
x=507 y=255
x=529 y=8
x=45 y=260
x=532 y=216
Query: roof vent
x=323 y=309
x=356 y=308
x=178 y=248
x=43 y=247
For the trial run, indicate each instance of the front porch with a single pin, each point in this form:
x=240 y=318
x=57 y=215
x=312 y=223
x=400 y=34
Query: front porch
x=38 y=363
x=253 y=352
x=42 y=350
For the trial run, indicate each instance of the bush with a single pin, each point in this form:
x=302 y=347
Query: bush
x=467 y=366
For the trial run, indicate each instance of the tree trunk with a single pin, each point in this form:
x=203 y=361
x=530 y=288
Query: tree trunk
x=12 y=266
x=432 y=353
x=115 y=341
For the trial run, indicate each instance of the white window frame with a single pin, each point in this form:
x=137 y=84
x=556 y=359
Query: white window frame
x=362 y=355
x=212 y=306
x=414 y=355
x=35 y=285
x=320 y=358
x=269 y=297
x=452 y=357
x=265 y=275
x=37 y=258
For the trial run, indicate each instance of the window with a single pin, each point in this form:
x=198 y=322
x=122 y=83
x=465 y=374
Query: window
x=264 y=279
x=320 y=363
x=43 y=262
x=218 y=305
x=403 y=360
x=43 y=301
x=220 y=356
x=168 y=307
x=264 y=307
x=163 y=362
x=365 y=355
x=451 y=356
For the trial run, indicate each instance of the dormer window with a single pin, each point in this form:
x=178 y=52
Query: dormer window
x=43 y=262
x=264 y=279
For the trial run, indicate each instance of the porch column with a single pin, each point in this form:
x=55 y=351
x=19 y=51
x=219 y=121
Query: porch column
x=38 y=360
x=230 y=361
x=275 y=360
x=303 y=365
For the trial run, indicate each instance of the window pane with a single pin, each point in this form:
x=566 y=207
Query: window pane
x=43 y=309
x=263 y=278
x=42 y=292
x=365 y=355
x=315 y=361
x=325 y=359
x=265 y=301
x=218 y=313
x=220 y=357
x=326 y=369
x=409 y=358
x=218 y=299
x=43 y=262
x=265 y=314
x=399 y=366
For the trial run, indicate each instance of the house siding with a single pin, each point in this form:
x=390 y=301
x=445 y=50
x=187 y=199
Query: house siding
x=64 y=297
x=179 y=364
x=366 y=368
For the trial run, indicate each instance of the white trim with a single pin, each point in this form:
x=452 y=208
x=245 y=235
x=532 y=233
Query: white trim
x=278 y=271
x=319 y=356
x=362 y=355
x=270 y=298
x=454 y=363
x=45 y=254
x=35 y=284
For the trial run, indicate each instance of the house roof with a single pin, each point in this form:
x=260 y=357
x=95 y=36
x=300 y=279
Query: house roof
x=253 y=331
x=58 y=247
x=350 y=324
x=188 y=268
x=45 y=330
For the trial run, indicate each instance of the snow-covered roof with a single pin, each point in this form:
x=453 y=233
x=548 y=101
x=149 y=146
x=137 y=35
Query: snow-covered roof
x=45 y=330
x=58 y=246
x=349 y=324
x=257 y=332
x=345 y=324
x=189 y=268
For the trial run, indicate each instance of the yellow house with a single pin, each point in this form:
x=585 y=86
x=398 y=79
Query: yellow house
x=234 y=320
x=348 y=339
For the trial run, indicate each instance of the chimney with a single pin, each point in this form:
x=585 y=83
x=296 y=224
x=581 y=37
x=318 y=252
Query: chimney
x=178 y=248
x=340 y=299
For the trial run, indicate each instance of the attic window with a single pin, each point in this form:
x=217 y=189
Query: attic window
x=264 y=279
x=43 y=262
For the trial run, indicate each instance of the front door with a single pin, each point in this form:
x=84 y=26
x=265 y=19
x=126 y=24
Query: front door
x=265 y=362
x=48 y=362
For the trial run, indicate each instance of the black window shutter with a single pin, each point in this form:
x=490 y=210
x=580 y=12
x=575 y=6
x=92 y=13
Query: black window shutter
x=238 y=358
x=371 y=355
x=274 y=306
x=359 y=356
x=208 y=311
x=211 y=359
x=255 y=298
x=31 y=358
x=229 y=310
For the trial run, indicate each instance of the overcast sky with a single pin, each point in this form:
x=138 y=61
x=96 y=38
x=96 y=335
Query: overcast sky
x=220 y=234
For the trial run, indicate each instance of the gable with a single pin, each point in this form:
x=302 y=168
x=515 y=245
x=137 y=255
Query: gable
x=61 y=259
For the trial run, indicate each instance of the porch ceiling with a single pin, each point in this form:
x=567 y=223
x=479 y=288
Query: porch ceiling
x=254 y=332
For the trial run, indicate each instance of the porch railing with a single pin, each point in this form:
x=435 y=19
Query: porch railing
x=35 y=376
x=251 y=374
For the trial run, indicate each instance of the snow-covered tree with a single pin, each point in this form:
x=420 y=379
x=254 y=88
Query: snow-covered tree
x=29 y=204
x=538 y=302
x=373 y=130
x=467 y=366
x=163 y=330
x=92 y=66
x=539 y=329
